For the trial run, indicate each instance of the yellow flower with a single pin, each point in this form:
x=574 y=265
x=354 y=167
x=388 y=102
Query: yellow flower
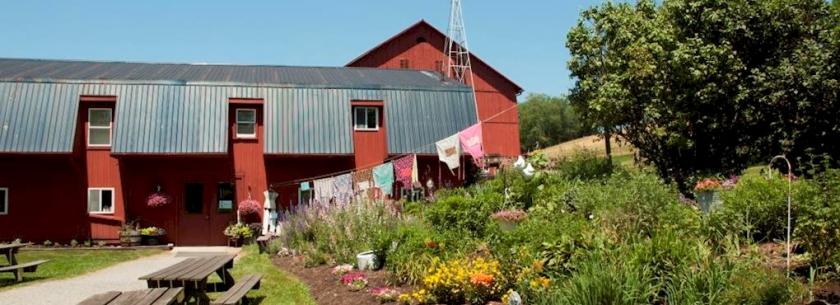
x=538 y=265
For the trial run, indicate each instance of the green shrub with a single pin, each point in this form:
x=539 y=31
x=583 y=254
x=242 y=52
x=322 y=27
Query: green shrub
x=606 y=279
x=469 y=215
x=584 y=165
x=755 y=208
x=818 y=224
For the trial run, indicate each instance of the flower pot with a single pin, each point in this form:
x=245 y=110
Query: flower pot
x=152 y=240
x=507 y=226
x=235 y=241
x=366 y=260
x=708 y=200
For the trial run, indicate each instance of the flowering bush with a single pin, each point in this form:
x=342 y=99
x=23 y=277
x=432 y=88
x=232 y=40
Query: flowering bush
x=158 y=199
x=238 y=231
x=249 y=207
x=384 y=294
x=356 y=280
x=474 y=281
x=515 y=215
x=342 y=269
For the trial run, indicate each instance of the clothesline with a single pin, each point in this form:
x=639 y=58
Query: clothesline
x=370 y=166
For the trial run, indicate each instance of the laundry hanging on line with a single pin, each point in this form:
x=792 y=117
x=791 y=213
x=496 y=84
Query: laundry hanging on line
x=323 y=190
x=405 y=169
x=343 y=189
x=471 y=143
x=449 y=151
x=383 y=177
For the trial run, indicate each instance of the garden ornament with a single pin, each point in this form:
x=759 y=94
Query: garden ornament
x=790 y=190
x=514 y=298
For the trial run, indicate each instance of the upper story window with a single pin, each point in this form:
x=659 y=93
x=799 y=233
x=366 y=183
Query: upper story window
x=246 y=123
x=4 y=201
x=101 y=200
x=99 y=127
x=404 y=64
x=366 y=118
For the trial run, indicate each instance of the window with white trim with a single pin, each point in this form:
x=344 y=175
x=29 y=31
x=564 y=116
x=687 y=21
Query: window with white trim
x=99 y=127
x=4 y=200
x=101 y=200
x=246 y=123
x=366 y=118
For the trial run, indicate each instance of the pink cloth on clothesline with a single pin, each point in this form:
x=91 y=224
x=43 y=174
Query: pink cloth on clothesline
x=472 y=144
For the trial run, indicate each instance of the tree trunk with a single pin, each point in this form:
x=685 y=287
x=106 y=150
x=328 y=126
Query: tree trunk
x=608 y=146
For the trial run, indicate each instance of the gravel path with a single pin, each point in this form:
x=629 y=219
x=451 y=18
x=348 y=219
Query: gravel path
x=120 y=277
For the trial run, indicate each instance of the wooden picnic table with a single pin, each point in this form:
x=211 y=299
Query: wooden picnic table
x=192 y=274
x=154 y=296
x=11 y=250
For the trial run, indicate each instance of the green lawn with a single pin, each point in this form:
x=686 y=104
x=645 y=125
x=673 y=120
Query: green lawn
x=277 y=286
x=68 y=263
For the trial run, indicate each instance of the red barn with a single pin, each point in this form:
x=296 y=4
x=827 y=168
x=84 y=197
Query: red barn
x=421 y=47
x=82 y=144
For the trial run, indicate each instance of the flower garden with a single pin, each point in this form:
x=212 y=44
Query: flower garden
x=581 y=234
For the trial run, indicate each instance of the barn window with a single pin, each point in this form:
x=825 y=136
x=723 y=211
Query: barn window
x=225 y=197
x=101 y=200
x=194 y=198
x=99 y=127
x=4 y=201
x=404 y=64
x=246 y=123
x=366 y=118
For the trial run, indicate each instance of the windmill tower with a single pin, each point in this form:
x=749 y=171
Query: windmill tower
x=458 y=66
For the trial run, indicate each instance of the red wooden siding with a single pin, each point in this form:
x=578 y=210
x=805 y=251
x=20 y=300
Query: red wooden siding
x=101 y=170
x=248 y=159
x=370 y=147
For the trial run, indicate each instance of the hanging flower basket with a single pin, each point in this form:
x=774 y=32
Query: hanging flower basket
x=708 y=193
x=509 y=219
x=249 y=207
x=158 y=199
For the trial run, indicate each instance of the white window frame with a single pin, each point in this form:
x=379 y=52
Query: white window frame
x=109 y=128
x=245 y=135
x=100 y=189
x=356 y=126
x=5 y=191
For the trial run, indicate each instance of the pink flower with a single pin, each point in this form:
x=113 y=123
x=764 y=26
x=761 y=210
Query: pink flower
x=249 y=207
x=158 y=199
x=349 y=278
x=515 y=215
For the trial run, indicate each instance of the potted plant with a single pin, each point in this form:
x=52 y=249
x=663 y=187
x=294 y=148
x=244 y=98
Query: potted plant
x=509 y=219
x=708 y=193
x=130 y=234
x=152 y=235
x=237 y=233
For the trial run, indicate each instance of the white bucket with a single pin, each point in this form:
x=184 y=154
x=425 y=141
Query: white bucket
x=366 y=260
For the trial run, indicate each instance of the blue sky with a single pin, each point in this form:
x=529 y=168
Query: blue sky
x=525 y=39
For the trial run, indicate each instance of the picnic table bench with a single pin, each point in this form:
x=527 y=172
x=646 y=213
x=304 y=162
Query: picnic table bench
x=236 y=294
x=192 y=274
x=154 y=296
x=10 y=251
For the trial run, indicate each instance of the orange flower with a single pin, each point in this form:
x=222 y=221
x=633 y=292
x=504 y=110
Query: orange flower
x=482 y=279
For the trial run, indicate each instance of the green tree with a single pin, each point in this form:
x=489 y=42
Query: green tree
x=708 y=86
x=546 y=120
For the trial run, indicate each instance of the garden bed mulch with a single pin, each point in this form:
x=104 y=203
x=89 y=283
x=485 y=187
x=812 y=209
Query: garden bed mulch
x=325 y=286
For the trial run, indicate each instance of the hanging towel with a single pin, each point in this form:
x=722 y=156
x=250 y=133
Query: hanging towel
x=471 y=143
x=304 y=186
x=343 y=189
x=449 y=151
x=383 y=177
x=363 y=184
x=405 y=169
x=323 y=190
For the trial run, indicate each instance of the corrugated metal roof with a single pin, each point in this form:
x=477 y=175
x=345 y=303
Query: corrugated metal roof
x=414 y=120
x=288 y=76
x=185 y=118
x=38 y=118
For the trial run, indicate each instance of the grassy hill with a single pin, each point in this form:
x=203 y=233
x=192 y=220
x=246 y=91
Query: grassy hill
x=594 y=144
